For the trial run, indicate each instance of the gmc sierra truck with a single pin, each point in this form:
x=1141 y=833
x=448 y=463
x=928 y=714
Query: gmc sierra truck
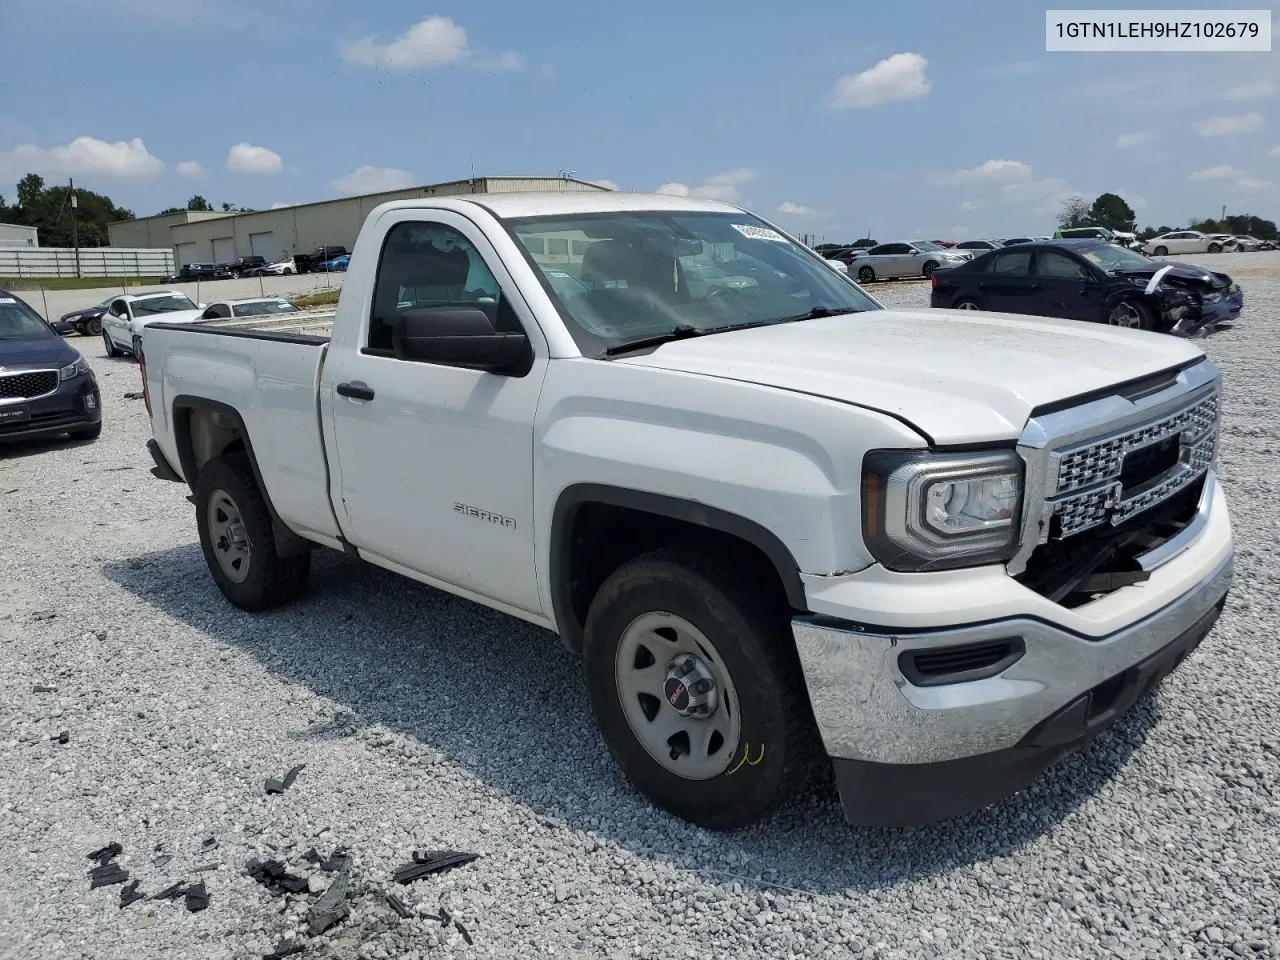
x=785 y=528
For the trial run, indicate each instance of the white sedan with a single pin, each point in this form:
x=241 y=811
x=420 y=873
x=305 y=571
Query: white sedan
x=281 y=268
x=126 y=316
x=1181 y=241
x=255 y=307
x=912 y=258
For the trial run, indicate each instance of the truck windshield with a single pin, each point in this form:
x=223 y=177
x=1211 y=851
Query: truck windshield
x=19 y=322
x=623 y=277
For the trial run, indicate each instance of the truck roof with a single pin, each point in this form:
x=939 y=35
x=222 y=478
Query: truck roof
x=508 y=206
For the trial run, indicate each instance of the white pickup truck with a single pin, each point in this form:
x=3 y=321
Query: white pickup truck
x=785 y=527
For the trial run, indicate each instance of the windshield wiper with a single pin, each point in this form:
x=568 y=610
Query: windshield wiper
x=684 y=331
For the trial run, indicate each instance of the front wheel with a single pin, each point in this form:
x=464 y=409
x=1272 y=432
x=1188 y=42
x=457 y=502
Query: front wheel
x=1130 y=314
x=110 y=346
x=695 y=683
x=1215 y=248
x=866 y=275
x=966 y=303
x=236 y=537
x=95 y=327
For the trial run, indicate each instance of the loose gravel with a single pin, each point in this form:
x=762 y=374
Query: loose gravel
x=426 y=723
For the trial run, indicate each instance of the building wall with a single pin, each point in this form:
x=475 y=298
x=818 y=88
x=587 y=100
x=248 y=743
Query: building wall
x=155 y=231
x=17 y=235
x=303 y=227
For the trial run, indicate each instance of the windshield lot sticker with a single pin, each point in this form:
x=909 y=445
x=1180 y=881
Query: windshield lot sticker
x=7 y=300
x=758 y=233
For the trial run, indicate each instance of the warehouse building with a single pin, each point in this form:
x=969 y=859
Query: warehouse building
x=152 y=232
x=285 y=231
x=17 y=235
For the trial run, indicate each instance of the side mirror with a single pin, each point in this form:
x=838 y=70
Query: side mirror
x=457 y=336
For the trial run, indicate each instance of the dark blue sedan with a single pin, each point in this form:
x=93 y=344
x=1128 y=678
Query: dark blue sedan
x=1094 y=281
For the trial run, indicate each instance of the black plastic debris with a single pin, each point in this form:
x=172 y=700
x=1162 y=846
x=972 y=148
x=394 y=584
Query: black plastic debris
x=130 y=894
x=330 y=908
x=284 y=949
x=106 y=875
x=41 y=688
x=162 y=860
x=205 y=868
x=109 y=852
x=432 y=861
x=197 y=897
x=463 y=930
x=337 y=862
x=398 y=905
x=275 y=877
x=63 y=737
x=312 y=856
x=172 y=892
x=280 y=786
x=445 y=917
x=131 y=395
x=209 y=844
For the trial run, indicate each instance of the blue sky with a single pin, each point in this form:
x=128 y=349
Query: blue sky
x=964 y=126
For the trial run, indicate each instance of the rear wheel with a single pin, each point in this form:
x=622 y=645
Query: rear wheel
x=1161 y=251
x=236 y=537
x=866 y=275
x=695 y=683
x=1215 y=248
x=136 y=346
x=966 y=303
x=928 y=268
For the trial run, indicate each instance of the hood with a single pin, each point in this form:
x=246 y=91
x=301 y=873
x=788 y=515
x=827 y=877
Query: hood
x=1183 y=273
x=957 y=376
x=50 y=351
x=86 y=312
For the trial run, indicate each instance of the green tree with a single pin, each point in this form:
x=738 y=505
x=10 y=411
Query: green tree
x=1109 y=210
x=49 y=210
x=199 y=203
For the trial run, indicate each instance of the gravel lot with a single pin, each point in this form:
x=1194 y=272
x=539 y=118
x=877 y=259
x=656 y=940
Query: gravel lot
x=428 y=723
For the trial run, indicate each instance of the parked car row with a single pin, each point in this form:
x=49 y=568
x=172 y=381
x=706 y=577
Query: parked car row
x=1193 y=241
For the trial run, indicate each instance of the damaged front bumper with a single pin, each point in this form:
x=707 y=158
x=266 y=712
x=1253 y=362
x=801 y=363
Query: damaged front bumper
x=1211 y=315
x=928 y=722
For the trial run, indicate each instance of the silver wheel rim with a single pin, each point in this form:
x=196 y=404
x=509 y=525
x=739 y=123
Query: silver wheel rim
x=699 y=741
x=966 y=305
x=865 y=275
x=230 y=540
x=1125 y=315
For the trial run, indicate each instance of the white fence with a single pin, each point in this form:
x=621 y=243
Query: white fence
x=94 y=262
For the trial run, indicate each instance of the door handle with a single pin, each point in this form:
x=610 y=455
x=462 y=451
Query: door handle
x=355 y=389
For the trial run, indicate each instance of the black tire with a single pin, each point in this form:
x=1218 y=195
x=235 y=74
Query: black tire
x=1161 y=251
x=88 y=433
x=110 y=346
x=749 y=625
x=966 y=303
x=272 y=580
x=928 y=268
x=95 y=327
x=866 y=275
x=1215 y=248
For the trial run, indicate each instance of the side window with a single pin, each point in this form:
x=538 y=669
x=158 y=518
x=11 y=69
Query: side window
x=219 y=311
x=432 y=265
x=880 y=250
x=119 y=309
x=1052 y=263
x=1015 y=263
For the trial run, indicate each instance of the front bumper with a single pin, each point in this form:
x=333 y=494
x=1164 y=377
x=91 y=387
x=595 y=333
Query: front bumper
x=906 y=751
x=1211 y=315
x=75 y=405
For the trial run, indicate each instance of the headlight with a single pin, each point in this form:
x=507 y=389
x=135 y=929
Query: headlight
x=73 y=369
x=928 y=511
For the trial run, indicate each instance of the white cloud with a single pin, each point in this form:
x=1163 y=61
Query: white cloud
x=1223 y=171
x=899 y=77
x=246 y=158
x=724 y=186
x=1223 y=126
x=795 y=209
x=991 y=171
x=968 y=206
x=190 y=169
x=1253 y=184
x=509 y=62
x=1257 y=90
x=605 y=183
x=367 y=179
x=1127 y=140
x=432 y=42
x=83 y=156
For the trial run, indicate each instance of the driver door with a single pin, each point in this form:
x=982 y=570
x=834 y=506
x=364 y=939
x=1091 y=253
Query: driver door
x=115 y=323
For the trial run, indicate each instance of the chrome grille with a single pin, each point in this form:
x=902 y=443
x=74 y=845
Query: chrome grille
x=1088 y=492
x=28 y=385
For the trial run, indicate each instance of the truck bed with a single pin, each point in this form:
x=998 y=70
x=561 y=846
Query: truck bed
x=312 y=324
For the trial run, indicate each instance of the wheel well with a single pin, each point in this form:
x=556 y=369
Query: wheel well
x=205 y=429
x=591 y=538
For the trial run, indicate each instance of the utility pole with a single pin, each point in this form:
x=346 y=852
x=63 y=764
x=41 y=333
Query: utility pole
x=1224 y=214
x=75 y=236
